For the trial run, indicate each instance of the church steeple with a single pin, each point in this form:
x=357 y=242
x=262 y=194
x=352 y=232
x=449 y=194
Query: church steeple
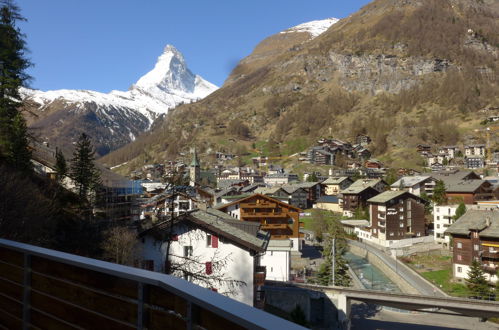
x=194 y=170
x=195 y=160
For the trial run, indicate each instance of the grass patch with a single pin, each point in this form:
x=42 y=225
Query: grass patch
x=308 y=220
x=443 y=278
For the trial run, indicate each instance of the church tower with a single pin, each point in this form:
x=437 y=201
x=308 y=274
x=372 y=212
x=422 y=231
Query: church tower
x=194 y=170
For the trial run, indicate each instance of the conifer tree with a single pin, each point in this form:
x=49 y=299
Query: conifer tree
x=83 y=170
x=324 y=275
x=13 y=63
x=439 y=193
x=460 y=211
x=61 y=165
x=476 y=281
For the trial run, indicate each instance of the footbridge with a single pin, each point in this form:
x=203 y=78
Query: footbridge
x=412 y=302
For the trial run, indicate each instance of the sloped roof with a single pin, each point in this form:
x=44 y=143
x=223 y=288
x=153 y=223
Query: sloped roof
x=328 y=199
x=388 y=195
x=477 y=220
x=360 y=185
x=263 y=197
x=335 y=179
x=244 y=233
x=409 y=181
x=464 y=185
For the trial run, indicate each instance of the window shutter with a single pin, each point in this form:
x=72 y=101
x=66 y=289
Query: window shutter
x=175 y=238
x=209 y=269
x=214 y=241
x=214 y=289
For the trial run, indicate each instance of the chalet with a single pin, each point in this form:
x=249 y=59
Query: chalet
x=423 y=148
x=475 y=236
x=280 y=219
x=449 y=151
x=470 y=191
x=322 y=155
x=208 y=245
x=474 y=150
x=165 y=203
x=473 y=162
x=416 y=185
x=333 y=185
x=279 y=179
x=356 y=196
x=373 y=163
x=396 y=215
x=313 y=190
x=330 y=203
x=292 y=195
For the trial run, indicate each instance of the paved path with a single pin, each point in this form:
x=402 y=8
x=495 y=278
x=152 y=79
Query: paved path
x=419 y=283
x=367 y=317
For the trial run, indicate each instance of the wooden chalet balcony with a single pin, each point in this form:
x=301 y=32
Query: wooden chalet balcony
x=490 y=254
x=47 y=289
x=490 y=269
x=275 y=226
x=264 y=214
x=258 y=205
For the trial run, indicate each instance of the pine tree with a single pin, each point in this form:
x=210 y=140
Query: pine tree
x=324 y=275
x=83 y=170
x=476 y=281
x=61 y=165
x=460 y=211
x=13 y=63
x=439 y=193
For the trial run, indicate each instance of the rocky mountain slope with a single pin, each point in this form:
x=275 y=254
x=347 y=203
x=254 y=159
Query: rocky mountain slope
x=404 y=72
x=115 y=119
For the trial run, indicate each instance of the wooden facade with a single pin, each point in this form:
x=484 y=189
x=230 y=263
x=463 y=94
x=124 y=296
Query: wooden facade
x=281 y=220
x=399 y=218
x=352 y=202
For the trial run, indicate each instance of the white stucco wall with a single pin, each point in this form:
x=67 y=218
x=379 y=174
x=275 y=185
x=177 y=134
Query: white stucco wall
x=234 y=211
x=278 y=264
x=236 y=262
x=442 y=219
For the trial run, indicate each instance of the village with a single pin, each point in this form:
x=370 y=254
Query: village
x=235 y=228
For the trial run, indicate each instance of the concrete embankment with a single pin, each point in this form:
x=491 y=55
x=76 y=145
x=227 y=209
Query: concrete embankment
x=404 y=277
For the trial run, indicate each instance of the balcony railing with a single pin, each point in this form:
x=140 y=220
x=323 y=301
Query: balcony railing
x=41 y=288
x=258 y=205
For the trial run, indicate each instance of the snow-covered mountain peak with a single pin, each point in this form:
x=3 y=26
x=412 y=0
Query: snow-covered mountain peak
x=171 y=75
x=315 y=28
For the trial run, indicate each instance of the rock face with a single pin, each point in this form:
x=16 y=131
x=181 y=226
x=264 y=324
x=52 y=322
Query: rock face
x=114 y=119
x=402 y=71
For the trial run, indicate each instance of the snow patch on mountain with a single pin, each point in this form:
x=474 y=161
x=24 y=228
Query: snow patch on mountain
x=168 y=84
x=315 y=28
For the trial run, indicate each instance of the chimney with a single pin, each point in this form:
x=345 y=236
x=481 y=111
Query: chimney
x=202 y=206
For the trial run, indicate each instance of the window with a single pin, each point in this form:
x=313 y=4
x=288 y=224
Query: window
x=187 y=251
x=459 y=269
x=438 y=226
x=491 y=249
x=475 y=234
x=208 y=240
x=459 y=257
x=209 y=268
x=401 y=225
x=438 y=217
x=459 y=245
x=187 y=277
x=391 y=233
x=476 y=247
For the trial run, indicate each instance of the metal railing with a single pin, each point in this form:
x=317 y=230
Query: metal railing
x=42 y=288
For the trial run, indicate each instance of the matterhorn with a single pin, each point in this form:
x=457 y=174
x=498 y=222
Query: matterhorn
x=117 y=118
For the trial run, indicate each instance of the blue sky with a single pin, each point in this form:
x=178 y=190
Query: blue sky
x=108 y=44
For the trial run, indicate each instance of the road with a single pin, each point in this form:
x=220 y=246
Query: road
x=367 y=317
